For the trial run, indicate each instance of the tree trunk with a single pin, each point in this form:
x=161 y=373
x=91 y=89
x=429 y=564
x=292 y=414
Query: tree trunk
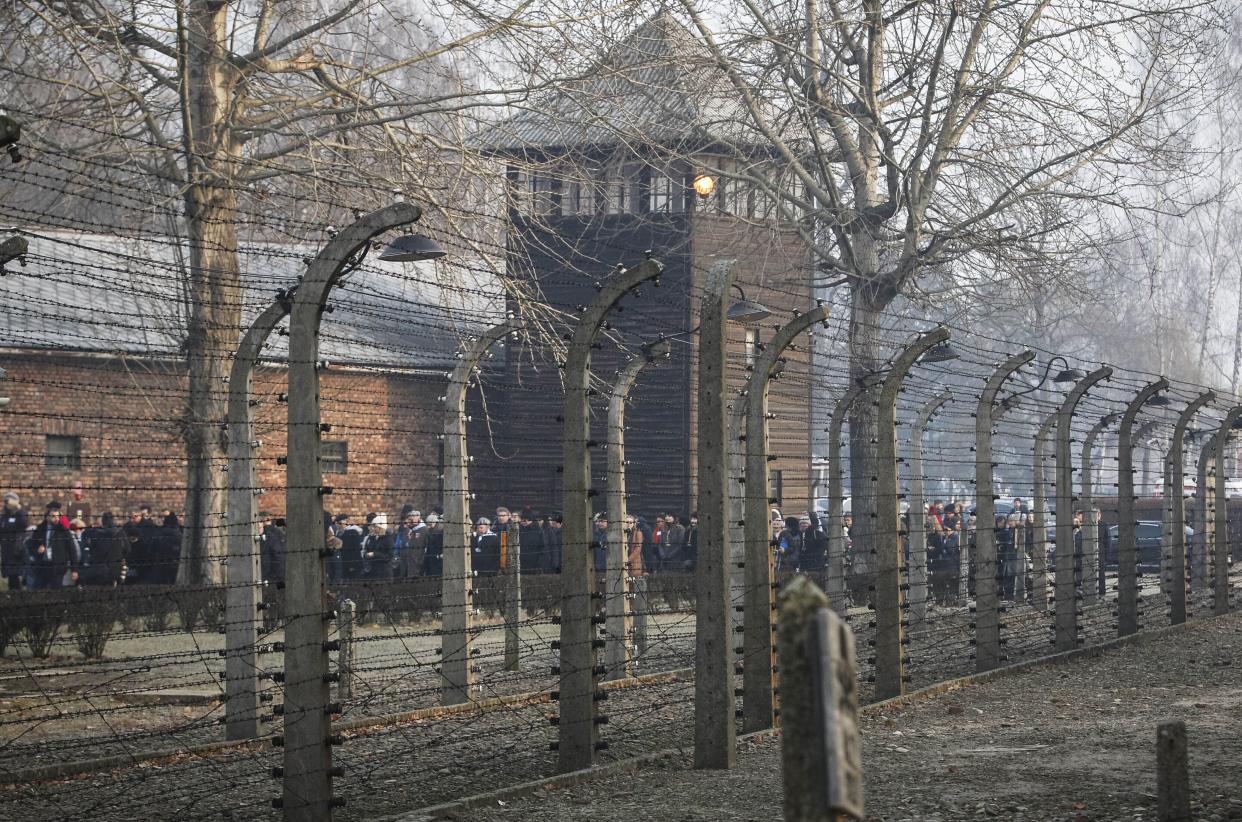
x=215 y=287
x=866 y=357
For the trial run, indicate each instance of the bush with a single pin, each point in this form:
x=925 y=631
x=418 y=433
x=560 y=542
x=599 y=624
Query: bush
x=42 y=613
x=10 y=623
x=92 y=620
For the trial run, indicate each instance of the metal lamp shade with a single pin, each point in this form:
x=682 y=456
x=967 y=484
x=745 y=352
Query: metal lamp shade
x=939 y=353
x=409 y=248
x=748 y=311
x=1069 y=375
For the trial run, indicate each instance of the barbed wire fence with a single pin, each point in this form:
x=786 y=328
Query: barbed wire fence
x=439 y=685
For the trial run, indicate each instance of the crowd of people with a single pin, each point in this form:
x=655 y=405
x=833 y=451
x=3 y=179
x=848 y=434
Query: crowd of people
x=55 y=550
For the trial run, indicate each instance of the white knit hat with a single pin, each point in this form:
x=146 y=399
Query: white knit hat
x=380 y=521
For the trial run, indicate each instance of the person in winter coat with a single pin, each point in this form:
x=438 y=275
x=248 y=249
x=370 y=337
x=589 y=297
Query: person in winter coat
x=51 y=549
x=351 y=537
x=788 y=543
x=552 y=539
x=814 y=546
x=534 y=552
x=633 y=547
x=165 y=547
x=377 y=549
x=672 y=544
x=272 y=554
x=410 y=545
x=433 y=557
x=13 y=524
x=108 y=550
x=485 y=549
x=690 y=548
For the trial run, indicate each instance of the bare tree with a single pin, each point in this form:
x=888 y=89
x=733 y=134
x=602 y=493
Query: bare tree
x=220 y=105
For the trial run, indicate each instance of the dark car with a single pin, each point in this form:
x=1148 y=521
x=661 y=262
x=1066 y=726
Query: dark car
x=1148 y=535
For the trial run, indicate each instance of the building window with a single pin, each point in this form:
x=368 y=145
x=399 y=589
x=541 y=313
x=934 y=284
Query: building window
x=667 y=193
x=546 y=193
x=334 y=457
x=63 y=453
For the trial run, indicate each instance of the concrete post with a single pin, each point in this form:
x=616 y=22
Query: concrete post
x=836 y=503
x=1127 y=542
x=577 y=727
x=245 y=579
x=1175 y=505
x=347 y=613
x=457 y=575
x=1172 y=773
x=752 y=410
x=1205 y=498
x=1039 y=506
x=715 y=736
x=513 y=596
x=1091 y=558
x=987 y=569
x=890 y=658
x=307 y=794
x=821 y=753
x=1065 y=598
x=617 y=599
x=917 y=506
x=1220 y=513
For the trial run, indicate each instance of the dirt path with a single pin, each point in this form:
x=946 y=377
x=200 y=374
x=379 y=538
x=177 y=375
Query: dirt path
x=1073 y=741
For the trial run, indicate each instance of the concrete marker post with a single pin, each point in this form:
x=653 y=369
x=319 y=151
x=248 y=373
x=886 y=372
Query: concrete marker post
x=347 y=656
x=1172 y=773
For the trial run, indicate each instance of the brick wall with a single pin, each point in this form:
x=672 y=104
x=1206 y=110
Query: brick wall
x=125 y=413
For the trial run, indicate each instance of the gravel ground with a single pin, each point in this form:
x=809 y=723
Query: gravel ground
x=1073 y=741
x=414 y=764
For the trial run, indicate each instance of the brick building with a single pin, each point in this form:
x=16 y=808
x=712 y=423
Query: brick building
x=598 y=175
x=89 y=337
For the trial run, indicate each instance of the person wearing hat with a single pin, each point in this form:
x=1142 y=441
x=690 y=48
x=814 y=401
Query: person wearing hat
x=13 y=524
x=377 y=549
x=351 y=537
x=485 y=548
x=410 y=544
x=433 y=557
x=51 y=549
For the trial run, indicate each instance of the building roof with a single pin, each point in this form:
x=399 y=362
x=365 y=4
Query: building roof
x=658 y=86
x=106 y=294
